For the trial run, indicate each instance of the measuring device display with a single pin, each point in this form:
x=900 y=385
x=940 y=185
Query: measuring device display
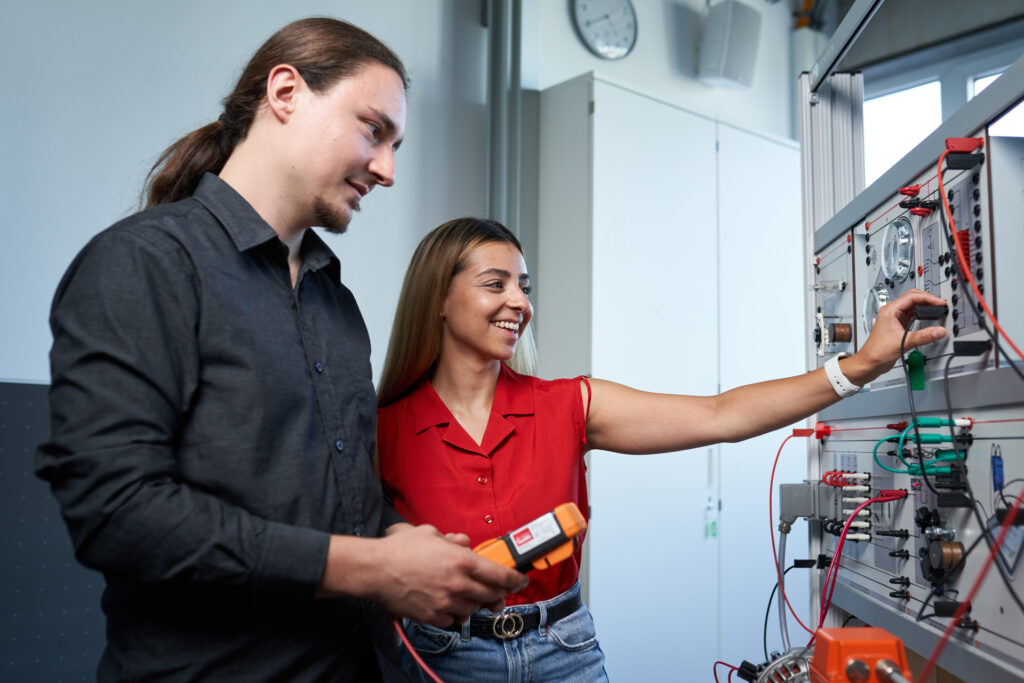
x=543 y=542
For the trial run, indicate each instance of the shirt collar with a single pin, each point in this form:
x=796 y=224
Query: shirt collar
x=317 y=255
x=247 y=229
x=512 y=396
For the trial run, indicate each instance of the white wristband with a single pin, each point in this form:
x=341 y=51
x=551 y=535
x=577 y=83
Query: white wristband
x=840 y=383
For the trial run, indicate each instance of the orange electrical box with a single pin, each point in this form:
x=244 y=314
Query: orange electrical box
x=852 y=654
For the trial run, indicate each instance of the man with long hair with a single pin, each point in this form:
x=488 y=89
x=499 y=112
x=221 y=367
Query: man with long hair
x=213 y=408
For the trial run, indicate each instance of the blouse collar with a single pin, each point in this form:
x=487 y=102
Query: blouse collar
x=513 y=395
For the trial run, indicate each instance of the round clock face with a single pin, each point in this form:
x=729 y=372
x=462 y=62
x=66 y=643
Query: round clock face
x=607 y=27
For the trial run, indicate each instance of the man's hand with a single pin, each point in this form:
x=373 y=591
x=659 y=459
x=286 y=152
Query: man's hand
x=398 y=528
x=882 y=347
x=416 y=572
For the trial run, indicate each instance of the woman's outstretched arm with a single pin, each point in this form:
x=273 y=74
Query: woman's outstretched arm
x=627 y=420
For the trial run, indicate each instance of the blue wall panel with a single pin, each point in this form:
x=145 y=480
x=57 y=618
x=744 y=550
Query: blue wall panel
x=51 y=625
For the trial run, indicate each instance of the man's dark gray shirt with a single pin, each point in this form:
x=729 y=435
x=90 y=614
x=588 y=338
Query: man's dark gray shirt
x=212 y=425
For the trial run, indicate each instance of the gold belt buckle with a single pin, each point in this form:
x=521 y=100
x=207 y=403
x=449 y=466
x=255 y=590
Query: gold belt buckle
x=507 y=625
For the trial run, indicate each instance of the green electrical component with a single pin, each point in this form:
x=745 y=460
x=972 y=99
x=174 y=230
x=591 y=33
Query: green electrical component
x=934 y=438
x=915 y=365
x=930 y=468
x=949 y=455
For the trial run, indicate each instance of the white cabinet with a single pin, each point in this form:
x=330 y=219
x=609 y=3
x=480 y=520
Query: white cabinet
x=628 y=289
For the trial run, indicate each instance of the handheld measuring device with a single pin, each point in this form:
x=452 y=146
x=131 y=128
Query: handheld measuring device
x=543 y=542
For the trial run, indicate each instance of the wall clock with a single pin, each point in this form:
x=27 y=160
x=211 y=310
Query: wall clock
x=606 y=27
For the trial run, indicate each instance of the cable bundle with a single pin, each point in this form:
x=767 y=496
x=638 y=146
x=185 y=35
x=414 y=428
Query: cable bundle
x=884 y=496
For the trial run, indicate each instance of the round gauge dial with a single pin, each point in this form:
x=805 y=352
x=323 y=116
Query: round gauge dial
x=876 y=297
x=897 y=250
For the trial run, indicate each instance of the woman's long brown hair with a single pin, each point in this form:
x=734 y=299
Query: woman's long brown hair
x=416 y=333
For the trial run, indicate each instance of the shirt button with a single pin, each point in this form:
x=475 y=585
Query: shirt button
x=339 y=445
x=358 y=531
x=319 y=366
x=489 y=519
x=482 y=480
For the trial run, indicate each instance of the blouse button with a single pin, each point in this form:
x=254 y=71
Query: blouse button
x=488 y=519
x=482 y=480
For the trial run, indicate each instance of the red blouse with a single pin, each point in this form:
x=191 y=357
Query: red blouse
x=530 y=461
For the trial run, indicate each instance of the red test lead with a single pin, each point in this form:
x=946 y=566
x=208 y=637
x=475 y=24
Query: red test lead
x=884 y=496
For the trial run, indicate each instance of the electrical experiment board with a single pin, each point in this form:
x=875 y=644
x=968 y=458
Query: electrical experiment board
x=917 y=559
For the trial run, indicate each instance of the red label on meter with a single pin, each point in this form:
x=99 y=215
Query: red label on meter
x=542 y=529
x=522 y=537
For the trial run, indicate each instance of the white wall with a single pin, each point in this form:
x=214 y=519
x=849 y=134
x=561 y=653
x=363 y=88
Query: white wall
x=664 y=61
x=96 y=90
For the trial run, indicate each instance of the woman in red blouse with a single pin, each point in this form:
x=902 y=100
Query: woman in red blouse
x=470 y=442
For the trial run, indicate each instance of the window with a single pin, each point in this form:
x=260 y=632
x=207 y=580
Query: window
x=895 y=123
x=1011 y=124
x=908 y=96
x=982 y=82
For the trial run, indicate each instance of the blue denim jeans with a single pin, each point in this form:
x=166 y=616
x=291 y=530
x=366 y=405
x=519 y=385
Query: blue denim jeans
x=564 y=651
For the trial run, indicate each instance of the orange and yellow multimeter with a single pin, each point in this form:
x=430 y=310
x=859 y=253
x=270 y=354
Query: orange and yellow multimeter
x=543 y=542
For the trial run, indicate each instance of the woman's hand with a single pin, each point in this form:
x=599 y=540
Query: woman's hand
x=882 y=348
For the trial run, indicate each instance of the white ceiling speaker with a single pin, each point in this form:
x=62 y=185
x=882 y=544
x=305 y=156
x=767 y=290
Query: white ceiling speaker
x=728 y=46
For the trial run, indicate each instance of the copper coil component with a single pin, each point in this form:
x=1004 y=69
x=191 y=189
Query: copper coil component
x=945 y=554
x=840 y=333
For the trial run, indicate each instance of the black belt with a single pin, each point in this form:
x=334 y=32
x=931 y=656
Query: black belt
x=511 y=624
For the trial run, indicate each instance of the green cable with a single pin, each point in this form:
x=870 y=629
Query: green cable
x=914 y=469
x=899 y=450
x=922 y=438
x=880 y=464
